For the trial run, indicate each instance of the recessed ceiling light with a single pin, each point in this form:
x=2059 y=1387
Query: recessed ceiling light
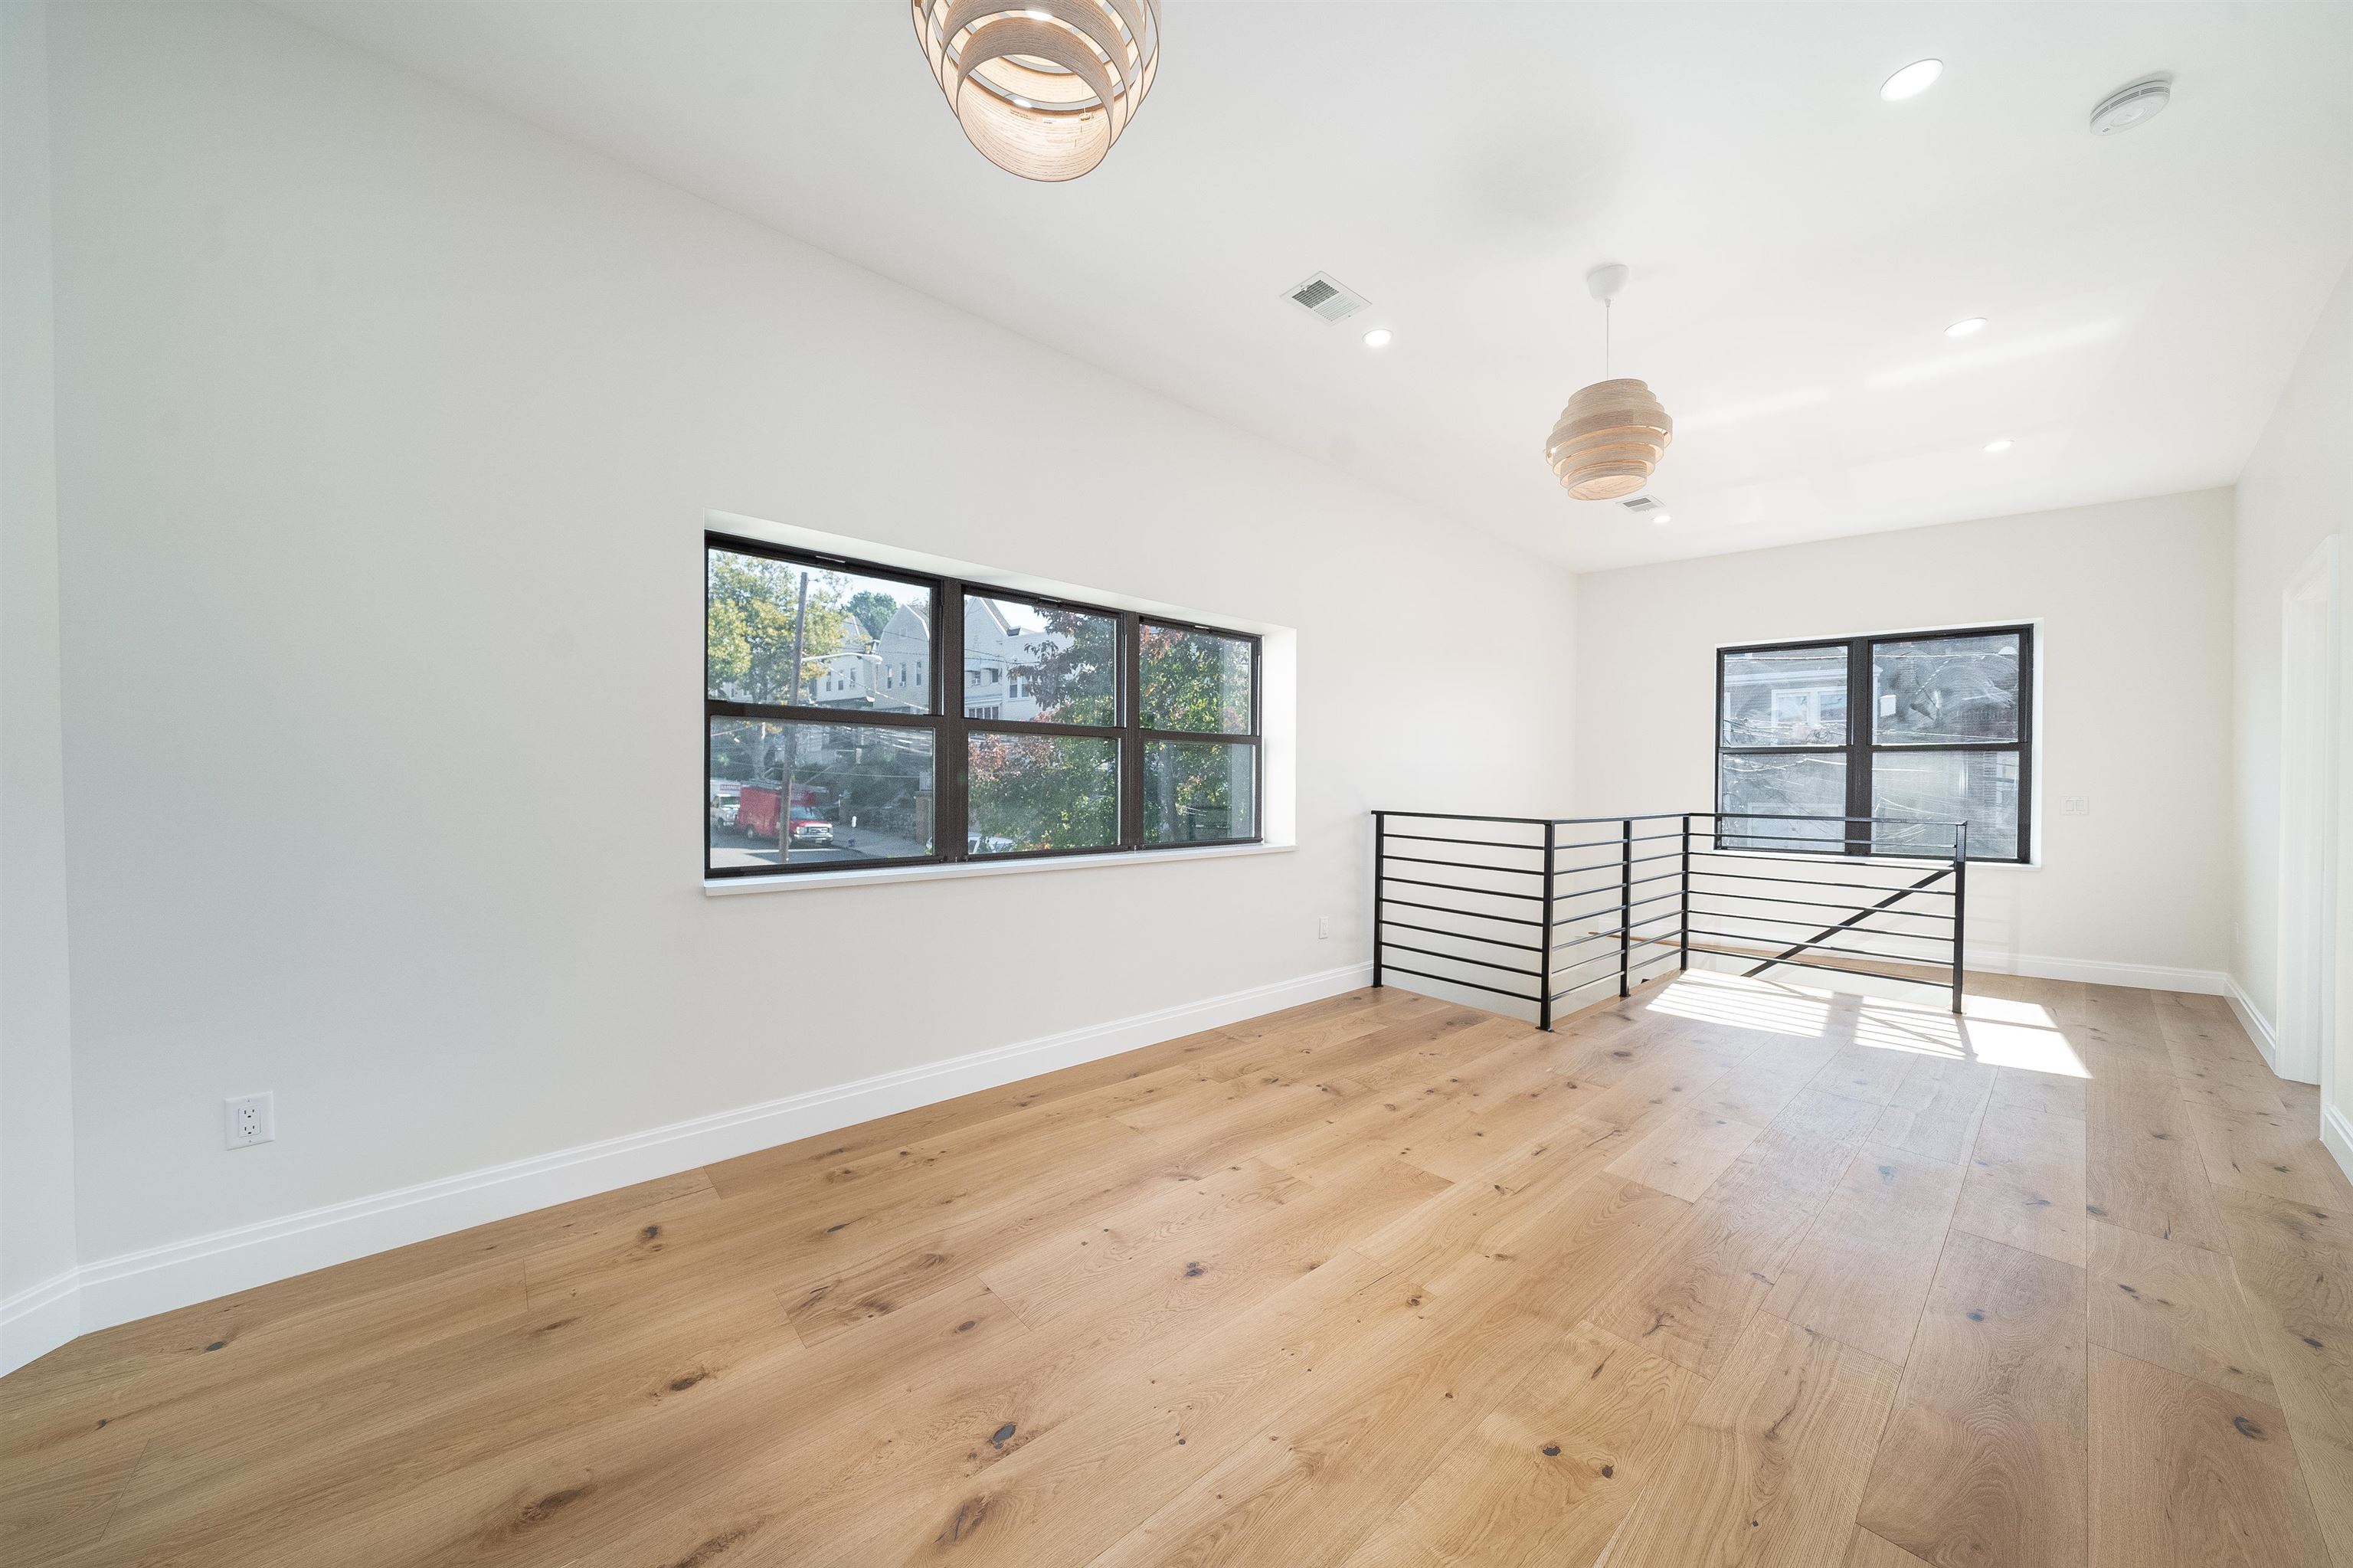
x=1661 y=518
x=1912 y=81
x=1377 y=338
x=2135 y=104
x=2000 y=446
x=1963 y=328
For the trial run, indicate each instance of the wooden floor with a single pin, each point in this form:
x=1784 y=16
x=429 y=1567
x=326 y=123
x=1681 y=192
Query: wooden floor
x=1732 y=1272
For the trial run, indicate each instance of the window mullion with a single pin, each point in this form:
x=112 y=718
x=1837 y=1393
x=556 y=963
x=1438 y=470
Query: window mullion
x=1131 y=727
x=951 y=772
x=1861 y=719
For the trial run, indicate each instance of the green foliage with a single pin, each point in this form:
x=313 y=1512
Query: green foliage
x=1044 y=791
x=873 y=609
x=1079 y=684
x=748 y=632
x=1196 y=791
x=1191 y=680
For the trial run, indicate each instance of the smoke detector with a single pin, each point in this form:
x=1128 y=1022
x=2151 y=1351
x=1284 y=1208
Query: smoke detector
x=2134 y=105
x=1325 y=296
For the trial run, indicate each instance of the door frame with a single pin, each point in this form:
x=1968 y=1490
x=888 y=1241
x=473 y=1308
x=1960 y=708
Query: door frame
x=2311 y=619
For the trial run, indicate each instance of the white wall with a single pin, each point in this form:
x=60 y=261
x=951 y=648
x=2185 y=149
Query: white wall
x=2296 y=490
x=387 y=426
x=2134 y=604
x=36 y=1205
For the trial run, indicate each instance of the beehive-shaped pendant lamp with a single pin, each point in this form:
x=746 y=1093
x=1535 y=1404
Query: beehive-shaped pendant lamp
x=1042 y=88
x=1608 y=439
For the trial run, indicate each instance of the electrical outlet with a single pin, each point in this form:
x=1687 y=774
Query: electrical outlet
x=251 y=1119
x=1322 y=927
x=2075 y=806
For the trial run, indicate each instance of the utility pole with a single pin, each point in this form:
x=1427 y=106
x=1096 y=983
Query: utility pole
x=792 y=699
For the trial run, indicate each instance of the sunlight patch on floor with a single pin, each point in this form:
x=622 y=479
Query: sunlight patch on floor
x=1997 y=1031
x=2020 y=1034
x=1894 y=1026
x=1993 y=1030
x=1745 y=1004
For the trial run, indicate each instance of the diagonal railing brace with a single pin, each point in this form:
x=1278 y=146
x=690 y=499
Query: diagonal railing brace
x=1888 y=902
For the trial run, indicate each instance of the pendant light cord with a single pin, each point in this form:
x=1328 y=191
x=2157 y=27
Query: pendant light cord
x=1605 y=338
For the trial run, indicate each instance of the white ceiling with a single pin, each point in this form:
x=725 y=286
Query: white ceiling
x=1798 y=245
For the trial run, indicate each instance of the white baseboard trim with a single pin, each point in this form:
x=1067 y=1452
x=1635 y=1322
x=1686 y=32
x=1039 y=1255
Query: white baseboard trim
x=38 y=1319
x=2336 y=1137
x=2250 y=1019
x=2100 y=971
x=180 y=1274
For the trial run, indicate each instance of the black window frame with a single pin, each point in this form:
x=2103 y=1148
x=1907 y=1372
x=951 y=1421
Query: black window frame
x=1860 y=747
x=951 y=728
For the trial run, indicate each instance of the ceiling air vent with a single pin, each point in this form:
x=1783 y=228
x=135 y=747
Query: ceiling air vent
x=1324 y=295
x=1640 y=503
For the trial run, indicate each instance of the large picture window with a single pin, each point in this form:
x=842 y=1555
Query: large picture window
x=845 y=726
x=1918 y=729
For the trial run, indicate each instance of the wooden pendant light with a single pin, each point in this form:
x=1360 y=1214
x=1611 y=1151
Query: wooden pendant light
x=1609 y=438
x=1042 y=88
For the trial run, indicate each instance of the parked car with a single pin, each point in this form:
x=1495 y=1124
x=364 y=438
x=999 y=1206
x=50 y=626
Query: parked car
x=986 y=843
x=808 y=828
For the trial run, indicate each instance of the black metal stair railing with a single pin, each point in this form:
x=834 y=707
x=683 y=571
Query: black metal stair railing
x=1540 y=909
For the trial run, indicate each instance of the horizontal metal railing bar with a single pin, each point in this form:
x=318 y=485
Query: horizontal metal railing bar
x=1808 y=947
x=1472 y=913
x=1614 y=865
x=1818 y=881
x=1461 y=935
x=1946 y=853
x=1818 y=817
x=1762 y=960
x=1455 y=980
x=1538 y=821
x=1459 y=958
x=1605 y=844
x=1939 y=939
x=1945 y=915
x=1668 y=957
x=1610 y=954
x=1470 y=865
x=1452 y=888
x=1633 y=904
x=1484 y=843
x=1837 y=857
x=1606 y=932
x=1605 y=954
x=1637 y=816
x=1664 y=816
x=1475 y=817
x=1611 y=889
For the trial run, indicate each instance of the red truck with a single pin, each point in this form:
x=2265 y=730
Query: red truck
x=756 y=815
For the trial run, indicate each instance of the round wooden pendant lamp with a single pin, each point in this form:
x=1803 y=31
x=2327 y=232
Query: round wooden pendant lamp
x=1042 y=88
x=1608 y=439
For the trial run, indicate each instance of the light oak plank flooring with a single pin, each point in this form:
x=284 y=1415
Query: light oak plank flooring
x=1731 y=1271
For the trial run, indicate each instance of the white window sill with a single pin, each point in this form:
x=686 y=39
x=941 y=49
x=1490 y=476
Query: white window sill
x=802 y=880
